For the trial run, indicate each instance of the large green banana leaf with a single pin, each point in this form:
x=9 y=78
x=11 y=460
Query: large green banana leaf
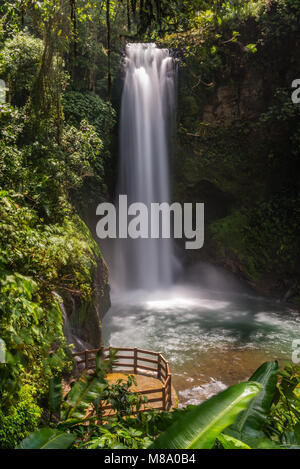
x=200 y=427
x=228 y=442
x=248 y=427
x=47 y=438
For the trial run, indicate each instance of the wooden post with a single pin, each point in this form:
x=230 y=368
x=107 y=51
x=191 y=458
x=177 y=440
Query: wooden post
x=170 y=391
x=135 y=361
x=159 y=367
x=109 y=355
x=164 y=398
x=86 y=359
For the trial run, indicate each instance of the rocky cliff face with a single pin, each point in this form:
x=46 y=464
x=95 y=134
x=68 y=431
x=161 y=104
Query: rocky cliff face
x=242 y=100
x=85 y=309
x=237 y=146
x=83 y=317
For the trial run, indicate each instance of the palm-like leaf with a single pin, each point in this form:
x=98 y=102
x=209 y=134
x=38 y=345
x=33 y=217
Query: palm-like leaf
x=228 y=442
x=200 y=427
x=47 y=438
x=248 y=427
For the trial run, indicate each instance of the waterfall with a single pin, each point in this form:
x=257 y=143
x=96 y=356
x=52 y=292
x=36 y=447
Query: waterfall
x=69 y=333
x=147 y=113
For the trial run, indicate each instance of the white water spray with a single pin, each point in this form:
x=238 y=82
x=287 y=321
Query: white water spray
x=146 y=122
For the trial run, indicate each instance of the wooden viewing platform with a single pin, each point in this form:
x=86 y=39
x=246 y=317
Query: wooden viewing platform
x=150 y=369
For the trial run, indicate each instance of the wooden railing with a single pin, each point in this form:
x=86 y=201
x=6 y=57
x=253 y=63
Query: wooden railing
x=137 y=361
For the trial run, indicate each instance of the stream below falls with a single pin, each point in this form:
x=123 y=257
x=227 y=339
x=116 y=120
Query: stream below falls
x=212 y=338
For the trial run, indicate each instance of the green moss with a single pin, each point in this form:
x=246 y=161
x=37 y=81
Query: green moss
x=228 y=234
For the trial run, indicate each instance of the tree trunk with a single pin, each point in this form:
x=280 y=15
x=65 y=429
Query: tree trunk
x=108 y=49
x=74 y=26
x=128 y=16
x=133 y=8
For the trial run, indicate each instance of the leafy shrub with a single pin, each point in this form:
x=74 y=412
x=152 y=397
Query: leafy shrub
x=19 y=64
x=272 y=233
x=29 y=331
x=16 y=422
x=47 y=252
x=13 y=171
x=89 y=107
x=58 y=258
x=47 y=173
x=284 y=419
x=116 y=435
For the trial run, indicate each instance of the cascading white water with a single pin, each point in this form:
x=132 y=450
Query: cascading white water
x=146 y=121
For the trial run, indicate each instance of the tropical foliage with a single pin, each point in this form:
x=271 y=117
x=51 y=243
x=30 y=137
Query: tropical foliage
x=243 y=416
x=60 y=63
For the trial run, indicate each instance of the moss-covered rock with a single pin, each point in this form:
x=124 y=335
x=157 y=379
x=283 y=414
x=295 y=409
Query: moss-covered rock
x=238 y=150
